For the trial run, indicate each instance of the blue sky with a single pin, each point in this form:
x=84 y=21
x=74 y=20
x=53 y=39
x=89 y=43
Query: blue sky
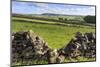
x=39 y=8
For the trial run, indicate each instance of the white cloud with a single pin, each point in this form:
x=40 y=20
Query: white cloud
x=57 y=8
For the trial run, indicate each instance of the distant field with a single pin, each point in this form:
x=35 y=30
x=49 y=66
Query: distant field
x=57 y=36
x=45 y=21
x=69 y=17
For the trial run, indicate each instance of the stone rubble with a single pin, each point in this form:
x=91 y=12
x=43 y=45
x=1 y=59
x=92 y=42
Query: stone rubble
x=27 y=46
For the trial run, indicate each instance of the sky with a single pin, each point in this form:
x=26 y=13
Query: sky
x=40 y=8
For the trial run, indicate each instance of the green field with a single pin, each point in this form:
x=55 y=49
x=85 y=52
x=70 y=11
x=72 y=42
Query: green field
x=56 y=36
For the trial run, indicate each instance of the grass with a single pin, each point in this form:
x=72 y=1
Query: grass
x=55 y=35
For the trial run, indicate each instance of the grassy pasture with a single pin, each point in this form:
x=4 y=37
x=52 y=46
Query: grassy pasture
x=57 y=36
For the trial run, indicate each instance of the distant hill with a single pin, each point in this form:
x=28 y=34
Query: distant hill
x=52 y=14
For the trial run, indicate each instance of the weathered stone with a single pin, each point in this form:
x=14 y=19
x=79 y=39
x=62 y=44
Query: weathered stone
x=26 y=45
